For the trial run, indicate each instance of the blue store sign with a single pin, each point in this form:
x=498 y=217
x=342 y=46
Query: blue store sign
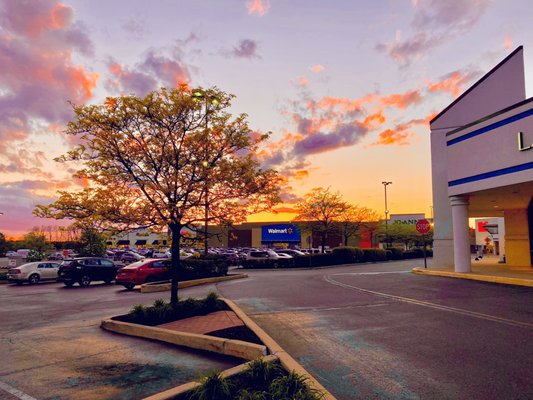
x=280 y=233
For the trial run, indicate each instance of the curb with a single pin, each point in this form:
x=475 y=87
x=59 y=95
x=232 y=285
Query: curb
x=163 y=287
x=289 y=363
x=229 y=347
x=186 y=387
x=483 y=278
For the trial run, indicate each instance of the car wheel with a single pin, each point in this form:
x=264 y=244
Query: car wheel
x=129 y=286
x=68 y=283
x=85 y=280
x=33 y=279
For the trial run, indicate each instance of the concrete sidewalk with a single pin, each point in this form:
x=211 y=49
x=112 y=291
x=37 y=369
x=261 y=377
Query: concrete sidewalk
x=488 y=270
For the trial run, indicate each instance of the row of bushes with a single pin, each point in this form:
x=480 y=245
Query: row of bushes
x=162 y=312
x=340 y=255
x=205 y=267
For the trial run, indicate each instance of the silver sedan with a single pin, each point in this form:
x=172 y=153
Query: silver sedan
x=33 y=272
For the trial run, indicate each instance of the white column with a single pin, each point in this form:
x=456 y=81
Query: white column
x=461 y=239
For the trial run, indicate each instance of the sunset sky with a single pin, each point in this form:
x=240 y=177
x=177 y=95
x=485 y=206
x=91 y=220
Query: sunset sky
x=346 y=87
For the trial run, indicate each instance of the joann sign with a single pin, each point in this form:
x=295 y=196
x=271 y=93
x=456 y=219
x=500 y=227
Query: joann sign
x=406 y=219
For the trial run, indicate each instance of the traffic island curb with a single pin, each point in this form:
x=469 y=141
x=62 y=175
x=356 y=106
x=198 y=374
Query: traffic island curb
x=230 y=347
x=483 y=278
x=289 y=363
x=187 y=387
x=153 y=287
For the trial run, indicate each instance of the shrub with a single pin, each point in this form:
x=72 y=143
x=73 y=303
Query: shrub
x=394 y=254
x=261 y=373
x=212 y=387
x=293 y=386
x=197 y=268
x=373 y=255
x=3 y=276
x=348 y=254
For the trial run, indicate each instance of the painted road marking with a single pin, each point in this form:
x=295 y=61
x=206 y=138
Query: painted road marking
x=376 y=273
x=15 y=392
x=474 y=314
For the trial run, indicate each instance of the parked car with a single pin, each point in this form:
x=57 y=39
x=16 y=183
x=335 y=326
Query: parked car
x=161 y=254
x=11 y=254
x=291 y=252
x=131 y=256
x=56 y=256
x=84 y=270
x=33 y=272
x=142 y=272
x=262 y=254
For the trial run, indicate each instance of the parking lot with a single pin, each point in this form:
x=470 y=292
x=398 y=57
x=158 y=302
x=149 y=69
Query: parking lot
x=365 y=331
x=52 y=346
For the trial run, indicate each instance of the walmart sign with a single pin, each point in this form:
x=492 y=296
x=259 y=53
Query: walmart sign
x=280 y=233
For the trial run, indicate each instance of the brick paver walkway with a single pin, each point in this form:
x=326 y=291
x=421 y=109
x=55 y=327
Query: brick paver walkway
x=205 y=323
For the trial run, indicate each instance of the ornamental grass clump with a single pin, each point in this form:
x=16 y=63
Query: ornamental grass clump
x=261 y=381
x=293 y=387
x=213 y=387
x=161 y=311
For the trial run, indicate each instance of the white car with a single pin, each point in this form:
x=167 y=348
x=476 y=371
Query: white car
x=33 y=272
x=262 y=254
x=291 y=252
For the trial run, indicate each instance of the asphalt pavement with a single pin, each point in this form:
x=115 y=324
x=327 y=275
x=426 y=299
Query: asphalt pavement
x=366 y=331
x=379 y=331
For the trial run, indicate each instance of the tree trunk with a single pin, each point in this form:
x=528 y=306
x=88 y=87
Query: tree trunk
x=175 y=262
x=345 y=240
x=324 y=235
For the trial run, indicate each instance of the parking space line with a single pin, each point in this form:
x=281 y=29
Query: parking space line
x=474 y=314
x=373 y=273
x=15 y=392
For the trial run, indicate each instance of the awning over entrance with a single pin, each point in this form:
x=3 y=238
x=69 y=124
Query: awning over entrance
x=155 y=242
x=140 y=242
x=123 y=242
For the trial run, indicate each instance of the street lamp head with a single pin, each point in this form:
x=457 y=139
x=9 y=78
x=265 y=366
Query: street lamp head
x=386 y=183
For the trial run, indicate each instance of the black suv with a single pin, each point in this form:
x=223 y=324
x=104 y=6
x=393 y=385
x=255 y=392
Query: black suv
x=84 y=270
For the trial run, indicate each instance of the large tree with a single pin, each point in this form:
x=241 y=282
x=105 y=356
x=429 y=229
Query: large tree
x=152 y=161
x=353 y=219
x=320 y=210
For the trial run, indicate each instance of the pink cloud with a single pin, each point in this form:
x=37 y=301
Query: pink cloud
x=435 y=22
x=317 y=68
x=37 y=71
x=508 y=42
x=454 y=83
x=258 y=7
x=303 y=81
x=153 y=71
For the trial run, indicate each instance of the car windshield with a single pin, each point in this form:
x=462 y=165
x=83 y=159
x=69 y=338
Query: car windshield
x=68 y=263
x=136 y=264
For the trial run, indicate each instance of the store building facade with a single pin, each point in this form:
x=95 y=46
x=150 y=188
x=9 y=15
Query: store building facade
x=482 y=166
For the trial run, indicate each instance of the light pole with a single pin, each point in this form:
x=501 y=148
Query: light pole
x=200 y=94
x=385 y=184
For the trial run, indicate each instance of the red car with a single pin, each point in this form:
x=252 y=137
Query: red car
x=142 y=272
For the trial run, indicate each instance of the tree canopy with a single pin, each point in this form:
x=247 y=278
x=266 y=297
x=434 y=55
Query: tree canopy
x=148 y=162
x=320 y=210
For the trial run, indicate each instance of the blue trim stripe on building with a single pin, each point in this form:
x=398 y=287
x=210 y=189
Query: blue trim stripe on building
x=490 y=127
x=492 y=174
